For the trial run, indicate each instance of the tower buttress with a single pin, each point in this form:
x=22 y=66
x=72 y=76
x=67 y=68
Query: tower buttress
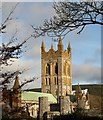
x=42 y=49
x=69 y=47
x=60 y=45
x=43 y=46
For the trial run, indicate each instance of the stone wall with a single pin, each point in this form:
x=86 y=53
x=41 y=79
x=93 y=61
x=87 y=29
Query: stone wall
x=43 y=106
x=64 y=104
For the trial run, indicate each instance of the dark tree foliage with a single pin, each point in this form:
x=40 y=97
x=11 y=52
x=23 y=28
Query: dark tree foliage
x=69 y=17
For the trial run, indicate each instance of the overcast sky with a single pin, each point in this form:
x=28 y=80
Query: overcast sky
x=86 y=47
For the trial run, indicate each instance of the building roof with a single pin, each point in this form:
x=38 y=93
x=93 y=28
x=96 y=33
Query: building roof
x=28 y=95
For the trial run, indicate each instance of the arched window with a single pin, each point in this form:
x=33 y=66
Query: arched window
x=46 y=81
x=56 y=68
x=49 y=81
x=56 y=80
x=48 y=69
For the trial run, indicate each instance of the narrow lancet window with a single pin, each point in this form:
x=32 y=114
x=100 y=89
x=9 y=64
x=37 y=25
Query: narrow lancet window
x=56 y=68
x=56 y=80
x=48 y=69
x=46 y=82
x=49 y=81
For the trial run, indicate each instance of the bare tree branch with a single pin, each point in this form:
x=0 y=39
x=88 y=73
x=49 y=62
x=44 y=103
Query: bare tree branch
x=8 y=18
x=69 y=17
x=29 y=81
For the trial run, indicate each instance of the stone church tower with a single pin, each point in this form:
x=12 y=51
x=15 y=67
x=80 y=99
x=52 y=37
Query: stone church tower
x=56 y=70
x=16 y=95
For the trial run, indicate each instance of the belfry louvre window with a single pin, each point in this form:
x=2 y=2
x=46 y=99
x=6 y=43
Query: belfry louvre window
x=49 y=81
x=56 y=80
x=48 y=69
x=56 y=68
x=46 y=81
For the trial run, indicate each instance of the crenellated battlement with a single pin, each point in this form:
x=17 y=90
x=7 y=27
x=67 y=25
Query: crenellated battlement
x=56 y=53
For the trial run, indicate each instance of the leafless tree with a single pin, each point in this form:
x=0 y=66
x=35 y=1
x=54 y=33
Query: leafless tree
x=10 y=51
x=69 y=17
